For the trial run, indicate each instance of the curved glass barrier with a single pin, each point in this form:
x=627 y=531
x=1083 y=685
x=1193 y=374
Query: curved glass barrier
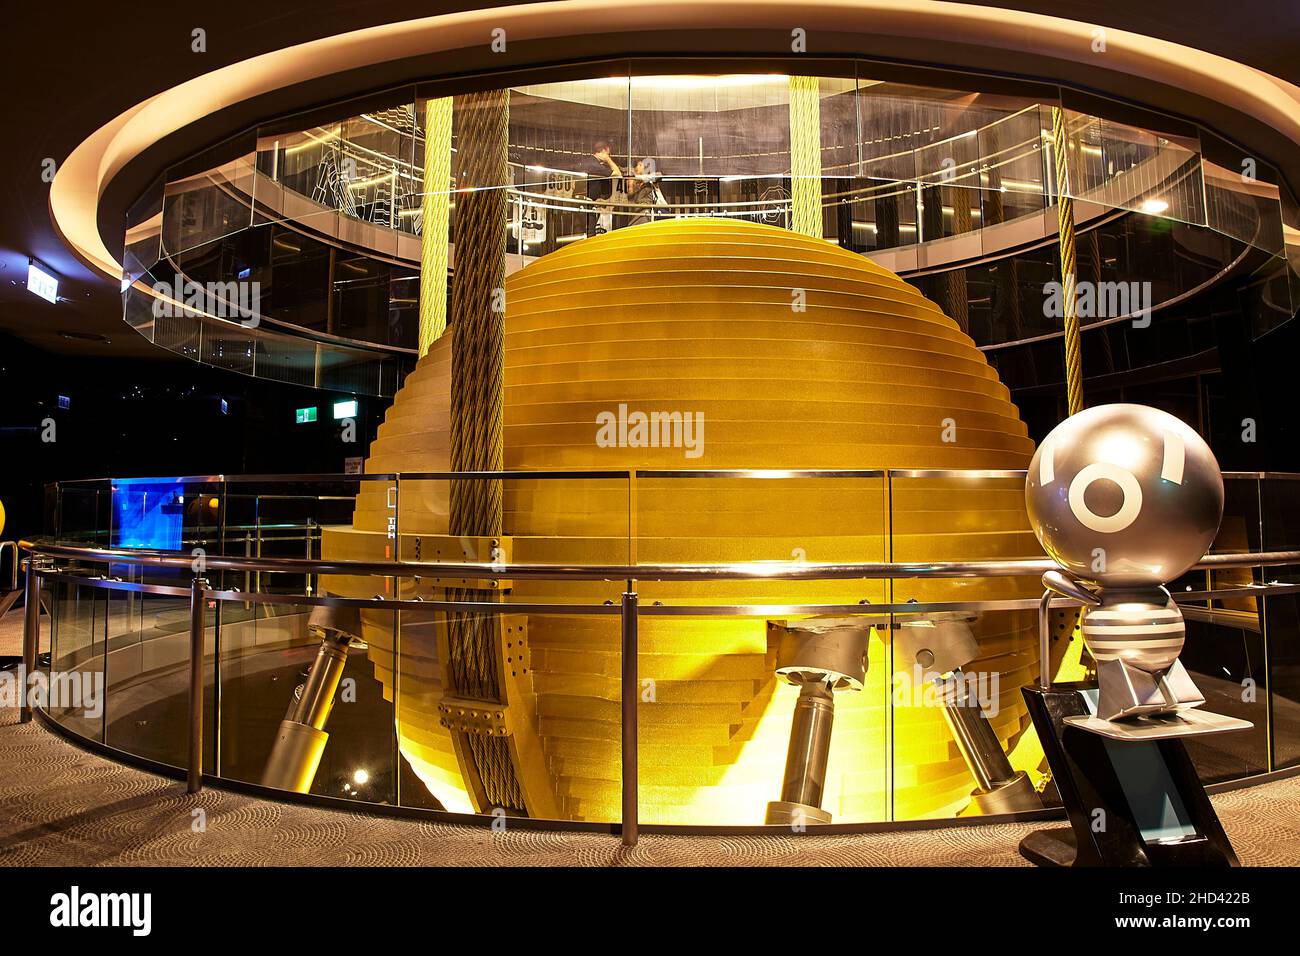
x=718 y=621
x=294 y=251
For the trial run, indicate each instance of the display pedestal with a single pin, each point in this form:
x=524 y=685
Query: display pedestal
x=1133 y=798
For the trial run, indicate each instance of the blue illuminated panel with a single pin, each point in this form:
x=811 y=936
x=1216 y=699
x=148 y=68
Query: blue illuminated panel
x=148 y=513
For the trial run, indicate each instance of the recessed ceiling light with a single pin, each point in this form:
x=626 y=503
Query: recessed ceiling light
x=1153 y=207
x=86 y=337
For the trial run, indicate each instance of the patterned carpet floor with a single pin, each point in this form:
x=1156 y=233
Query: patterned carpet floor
x=65 y=806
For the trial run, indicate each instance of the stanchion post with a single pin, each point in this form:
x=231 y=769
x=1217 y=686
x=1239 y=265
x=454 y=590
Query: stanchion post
x=198 y=588
x=1045 y=641
x=630 y=692
x=31 y=635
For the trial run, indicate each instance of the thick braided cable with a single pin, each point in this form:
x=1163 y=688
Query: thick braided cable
x=477 y=390
x=435 y=219
x=805 y=156
x=1069 y=266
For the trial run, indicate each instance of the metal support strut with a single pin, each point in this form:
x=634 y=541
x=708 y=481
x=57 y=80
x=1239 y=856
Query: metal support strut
x=819 y=656
x=301 y=738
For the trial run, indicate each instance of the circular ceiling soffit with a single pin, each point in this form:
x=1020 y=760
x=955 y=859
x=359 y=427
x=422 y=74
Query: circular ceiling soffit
x=86 y=173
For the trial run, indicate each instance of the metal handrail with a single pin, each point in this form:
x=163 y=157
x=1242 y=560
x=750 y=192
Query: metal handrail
x=589 y=473
x=739 y=571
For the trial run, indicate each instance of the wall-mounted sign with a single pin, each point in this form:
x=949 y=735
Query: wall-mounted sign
x=353 y=466
x=42 y=283
x=347 y=409
x=305 y=415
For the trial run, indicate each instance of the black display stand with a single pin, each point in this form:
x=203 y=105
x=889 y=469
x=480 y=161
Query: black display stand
x=1130 y=803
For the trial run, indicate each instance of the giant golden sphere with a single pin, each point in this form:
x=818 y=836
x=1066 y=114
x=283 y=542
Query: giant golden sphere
x=794 y=353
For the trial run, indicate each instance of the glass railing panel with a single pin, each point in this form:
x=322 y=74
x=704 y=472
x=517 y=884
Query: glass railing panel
x=75 y=694
x=304 y=161
x=138 y=312
x=719 y=720
x=987 y=653
x=1240 y=532
x=1277 y=302
x=83 y=513
x=1280 y=507
x=764 y=517
x=947 y=171
x=962 y=743
x=287 y=358
x=1121 y=166
x=548 y=743
x=1011 y=177
x=1282 y=617
x=557 y=672
x=305 y=518
x=265 y=349
x=1225 y=651
x=781 y=762
x=578 y=519
x=1243 y=199
x=204 y=206
x=284 y=684
x=143 y=242
x=1291 y=242
x=1281 y=524
x=148 y=674
x=887 y=206
x=167 y=514
x=1224 y=654
x=376 y=151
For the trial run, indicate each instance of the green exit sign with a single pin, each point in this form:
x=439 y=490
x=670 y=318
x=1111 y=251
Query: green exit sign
x=304 y=415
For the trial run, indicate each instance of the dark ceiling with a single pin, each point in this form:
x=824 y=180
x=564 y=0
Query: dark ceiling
x=73 y=66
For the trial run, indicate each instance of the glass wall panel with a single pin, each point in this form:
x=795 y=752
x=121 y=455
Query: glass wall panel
x=557 y=131
x=724 y=125
x=919 y=178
